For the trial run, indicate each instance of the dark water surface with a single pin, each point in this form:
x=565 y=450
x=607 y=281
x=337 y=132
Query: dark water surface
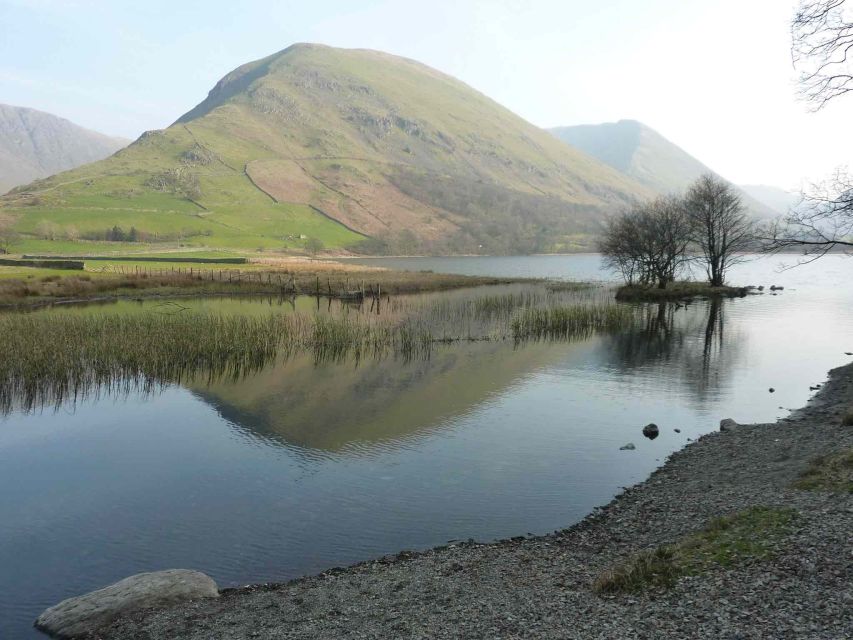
x=302 y=467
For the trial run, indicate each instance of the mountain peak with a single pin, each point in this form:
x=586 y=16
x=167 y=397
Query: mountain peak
x=315 y=141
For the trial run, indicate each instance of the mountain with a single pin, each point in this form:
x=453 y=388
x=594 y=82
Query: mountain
x=352 y=147
x=779 y=200
x=642 y=153
x=34 y=144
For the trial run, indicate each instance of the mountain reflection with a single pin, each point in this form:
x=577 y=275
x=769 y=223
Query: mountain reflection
x=332 y=407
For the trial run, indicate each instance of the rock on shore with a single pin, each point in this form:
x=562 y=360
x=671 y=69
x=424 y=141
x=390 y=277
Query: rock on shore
x=83 y=615
x=540 y=587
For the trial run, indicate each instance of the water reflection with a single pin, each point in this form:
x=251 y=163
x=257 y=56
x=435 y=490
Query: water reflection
x=305 y=380
x=56 y=358
x=688 y=343
x=340 y=408
x=335 y=407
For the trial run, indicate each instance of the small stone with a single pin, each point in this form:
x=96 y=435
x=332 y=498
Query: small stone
x=627 y=447
x=651 y=431
x=772 y=390
x=677 y=430
x=83 y=615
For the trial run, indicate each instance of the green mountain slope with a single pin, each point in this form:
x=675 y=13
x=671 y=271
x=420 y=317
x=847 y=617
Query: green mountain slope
x=34 y=144
x=643 y=154
x=346 y=146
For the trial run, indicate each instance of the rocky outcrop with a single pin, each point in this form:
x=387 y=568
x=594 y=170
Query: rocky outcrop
x=79 y=616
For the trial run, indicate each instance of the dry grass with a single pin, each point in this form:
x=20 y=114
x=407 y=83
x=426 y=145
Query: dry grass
x=300 y=277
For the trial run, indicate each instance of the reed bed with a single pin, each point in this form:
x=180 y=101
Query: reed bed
x=49 y=358
x=564 y=323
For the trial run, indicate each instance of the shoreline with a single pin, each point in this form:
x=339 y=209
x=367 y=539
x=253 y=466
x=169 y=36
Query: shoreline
x=541 y=586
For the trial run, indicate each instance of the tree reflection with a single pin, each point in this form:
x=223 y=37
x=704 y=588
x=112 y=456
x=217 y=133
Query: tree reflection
x=687 y=344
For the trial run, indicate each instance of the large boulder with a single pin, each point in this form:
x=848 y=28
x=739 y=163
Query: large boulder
x=84 y=614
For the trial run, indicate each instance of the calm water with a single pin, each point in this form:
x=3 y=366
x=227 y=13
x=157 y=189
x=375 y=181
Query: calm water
x=303 y=467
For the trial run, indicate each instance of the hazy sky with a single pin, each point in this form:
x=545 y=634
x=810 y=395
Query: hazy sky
x=714 y=77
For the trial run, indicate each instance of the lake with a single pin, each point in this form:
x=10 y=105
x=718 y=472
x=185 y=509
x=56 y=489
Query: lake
x=306 y=465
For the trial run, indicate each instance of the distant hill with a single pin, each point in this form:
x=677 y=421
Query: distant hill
x=34 y=144
x=777 y=199
x=352 y=147
x=642 y=153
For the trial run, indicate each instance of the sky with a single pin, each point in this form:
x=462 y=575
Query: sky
x=714 y=77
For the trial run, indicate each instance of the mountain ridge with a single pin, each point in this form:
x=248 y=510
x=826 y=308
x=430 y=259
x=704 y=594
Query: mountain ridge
x=35 y=144
x=638 y=151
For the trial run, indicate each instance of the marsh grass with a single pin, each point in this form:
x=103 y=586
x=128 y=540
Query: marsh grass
x=50 y=357
x=743 y=538
x=567 y=322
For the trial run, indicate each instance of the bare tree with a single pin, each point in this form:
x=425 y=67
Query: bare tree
x=648 y=245
x=822 y=49
x=720 y=227
x=822 y=222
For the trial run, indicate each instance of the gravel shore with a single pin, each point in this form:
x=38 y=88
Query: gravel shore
x=541 y=587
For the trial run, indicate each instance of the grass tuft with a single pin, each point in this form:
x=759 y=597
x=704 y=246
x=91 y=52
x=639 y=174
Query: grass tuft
x=745 y=537
x=833 y=472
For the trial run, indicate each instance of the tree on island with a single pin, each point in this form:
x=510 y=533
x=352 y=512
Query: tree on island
x=648 y=245
x=822 y=50
x=655 y=241
x=720 y=228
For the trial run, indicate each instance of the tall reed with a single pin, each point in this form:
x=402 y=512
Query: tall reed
x=51 y=357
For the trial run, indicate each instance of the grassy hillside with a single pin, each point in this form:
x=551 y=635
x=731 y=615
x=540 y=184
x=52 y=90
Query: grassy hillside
x=643 y=154
x=353 y=148
x=34 y=144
